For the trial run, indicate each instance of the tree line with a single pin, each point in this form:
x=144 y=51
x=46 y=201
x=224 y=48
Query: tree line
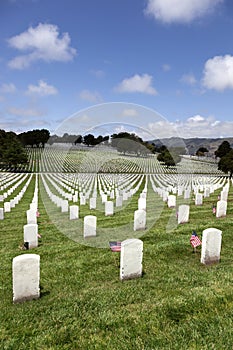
x=12 y=147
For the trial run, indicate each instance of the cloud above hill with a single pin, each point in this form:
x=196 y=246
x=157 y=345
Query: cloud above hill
x=180 y=11
x=41 y=43
x=137 y=83
x=218 y=73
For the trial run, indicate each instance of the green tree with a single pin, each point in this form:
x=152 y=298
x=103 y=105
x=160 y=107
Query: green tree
x=12 y=153
x=89 y=140
x=201 y=151
x=226 y=163
x=223 y=149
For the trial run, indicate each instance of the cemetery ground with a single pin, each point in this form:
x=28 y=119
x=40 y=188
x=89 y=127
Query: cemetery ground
x=178 y=303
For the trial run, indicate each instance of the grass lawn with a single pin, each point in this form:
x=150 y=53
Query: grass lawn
x=177 y=304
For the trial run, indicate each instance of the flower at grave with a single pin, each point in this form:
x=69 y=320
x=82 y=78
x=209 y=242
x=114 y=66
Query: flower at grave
x=39 y=236
x=195 y=240
x=115 y=246
x=37 y=213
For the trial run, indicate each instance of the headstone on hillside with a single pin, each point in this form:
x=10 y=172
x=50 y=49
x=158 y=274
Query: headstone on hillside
x=109 y=208
x=224 y=195
x=143 y=195
x=31 y=216
x=187 y=194
x=198 y=199
x=139 y=220
x=92 y=203
x=125 y=196
x=206 y=192
x=221 y=209
x=26 y=277
x=171 y=201
x=211 y=246
x=180 y=191
x=1 y=198
x=75 y=198
x=1 y=214
x=74 y=212
x=131 y=259
x=142 y=203
x=31 y=235
x=104 y=198
x=119 y=201
x=183 y=214
x=82 y=200
x=7 y=207
x=64 y=206
x=90 y=222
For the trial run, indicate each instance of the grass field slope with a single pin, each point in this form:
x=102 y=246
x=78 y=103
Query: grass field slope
x=178 y=304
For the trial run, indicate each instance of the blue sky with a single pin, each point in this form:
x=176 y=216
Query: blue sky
x=174 y=58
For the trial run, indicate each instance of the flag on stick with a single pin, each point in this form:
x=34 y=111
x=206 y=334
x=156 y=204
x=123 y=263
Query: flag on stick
x=115 y=246
x=195 y=240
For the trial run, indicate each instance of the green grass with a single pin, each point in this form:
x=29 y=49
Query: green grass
x=177 y=304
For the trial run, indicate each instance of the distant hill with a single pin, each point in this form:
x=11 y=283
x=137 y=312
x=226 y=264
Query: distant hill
x=193 y=144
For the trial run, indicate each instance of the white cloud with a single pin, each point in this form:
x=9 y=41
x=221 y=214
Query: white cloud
x=188 y=79
x=196 y=119
x=137 y=83
x=7 y=88
x=90 y=96
x=196 y=126
x=218 y=73
x=42 y=44
x=42 y=89
x=182 y=11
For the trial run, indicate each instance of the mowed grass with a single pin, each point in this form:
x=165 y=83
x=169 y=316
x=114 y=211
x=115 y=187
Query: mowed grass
x=177 y=304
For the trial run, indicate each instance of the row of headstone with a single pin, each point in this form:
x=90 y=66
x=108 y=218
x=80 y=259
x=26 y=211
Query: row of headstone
x=30 y=230
x=14 y=201
x=26 y=270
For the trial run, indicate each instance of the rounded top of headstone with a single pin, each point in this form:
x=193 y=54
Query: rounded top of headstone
x=26 y=257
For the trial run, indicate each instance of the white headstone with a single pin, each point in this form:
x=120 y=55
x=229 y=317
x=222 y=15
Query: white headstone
x=183 y=214
x=31 y=235
x=64 y=206
x=211 y=246
x=26 y=277
x=109 y=208
x=92 y=203
x=119 y=201
x=187 y=194
x=221 y=209
x=198 y=199
x=224 y=195
x=82 y=200
x=131 y=259
x=104 y=198
x=31 y=216
x=139 y=220
x=7 y=207
x=74 y=212
x=142 y=203
x=1 y=213
x=207 y=192
x=171 y=201
x=90 y=222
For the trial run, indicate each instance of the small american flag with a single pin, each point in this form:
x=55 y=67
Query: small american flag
x=195 y=240
x=115 y=246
